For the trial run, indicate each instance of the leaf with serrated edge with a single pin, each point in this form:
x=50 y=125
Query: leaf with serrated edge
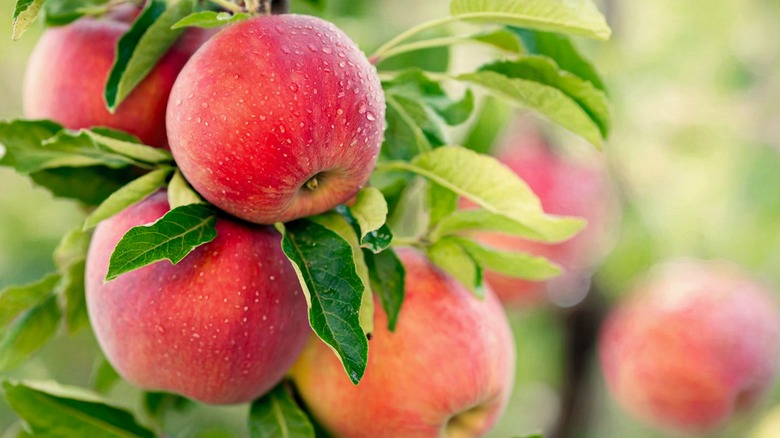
x=562 y=51
x=454 y=260
x=340 y=226
x=28 y=333
x=46 y=407
x=171 y=238
x=370 y=211
x=513 y=264
x=14 y=300
x=441 y=203
x=579 y=17
x=491 y=185
x=276 y=414
x=545 y=71
x=181 y=193
x=549 y=101
x=387 y=275
x=25 y=13
x=333 y=290
x=128 y=195
x=210 y=19
x=142 y=46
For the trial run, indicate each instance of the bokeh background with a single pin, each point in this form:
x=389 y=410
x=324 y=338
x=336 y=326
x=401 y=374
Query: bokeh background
x=695 y=150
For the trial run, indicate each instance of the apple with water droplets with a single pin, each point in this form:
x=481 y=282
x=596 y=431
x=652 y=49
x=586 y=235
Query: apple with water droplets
x=694 y=344
x=68 y=70
x=446 y=371
x=277 y=118
x=222 y=326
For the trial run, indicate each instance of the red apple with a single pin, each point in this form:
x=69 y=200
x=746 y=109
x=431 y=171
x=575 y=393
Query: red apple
x=446 y=371
x=694 y=344
x=277 y=118
x=222 y=326
x=68 y=69
x=565 y=187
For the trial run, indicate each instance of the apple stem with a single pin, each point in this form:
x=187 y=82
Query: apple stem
x=313 y=183
x=379 y=54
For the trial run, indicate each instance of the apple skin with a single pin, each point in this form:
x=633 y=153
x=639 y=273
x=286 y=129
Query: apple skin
x=450 y=354
x=223 y=326
x=270 y=103
x=694 y=344
x=565 y=187
x=68 y=69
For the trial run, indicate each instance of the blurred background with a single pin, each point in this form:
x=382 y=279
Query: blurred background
x=695 y=151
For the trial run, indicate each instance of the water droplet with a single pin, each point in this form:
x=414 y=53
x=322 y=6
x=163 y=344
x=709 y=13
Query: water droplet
x=178 y=101
x=294 y=87
x=204 y=105
x=370 y=116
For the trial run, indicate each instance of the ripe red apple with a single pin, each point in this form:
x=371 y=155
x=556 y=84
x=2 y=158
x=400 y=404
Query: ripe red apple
x=67 y=72
x=277 y=118
x=222 y=326
x=565 y=187
x=446 y=371
x=691 y=346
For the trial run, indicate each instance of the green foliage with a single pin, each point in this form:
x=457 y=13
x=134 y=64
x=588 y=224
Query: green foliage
x=210 y=19
x=25 y=13
x=277 y=414
x=325 y=265
x=171 y=238
x=387 y=277
x=181 y=193
x=580 y=17
x=128 y=195
x=456 y=261
x=50 y=410
x=368 y=216
x=142 y=46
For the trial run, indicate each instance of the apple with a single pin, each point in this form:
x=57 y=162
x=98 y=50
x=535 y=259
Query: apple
x=447 y=370
x=68 y=69
x=222 y=326
x=276 y=118
x=692 y=345
x=565 y=186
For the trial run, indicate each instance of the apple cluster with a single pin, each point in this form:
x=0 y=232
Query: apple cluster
x=270 y=119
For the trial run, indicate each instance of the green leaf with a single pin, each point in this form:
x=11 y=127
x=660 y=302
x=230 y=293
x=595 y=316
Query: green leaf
x=15 y=300
x=54 y=412
x=142 y=46
x=368 y=217
x=210 y=19
x=64 y=149
x=115 y=141
x=25 y=13
x=90 y=185
x=103 y=376
x=128 y=195
x=403 y=138
x=181 y=193
x=481 y=219
x=72 y=290
x=514 y=264
x=547 y=100
x=72 y=249
x=560 y=49
x=491 y=121
x=579 y=17
x=324 y=263
x=456 y=261
x=414 y=85
x=491 y=185
x=503 y=39
x=277 y=415
x=545 y=71
x=172 y=238
x=62 y=12
x=158 y=404
x=342 y=226
x=441 y=203
x=387 y=276
x=28 y=333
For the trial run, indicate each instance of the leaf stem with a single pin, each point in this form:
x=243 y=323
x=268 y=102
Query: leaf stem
x=381 y=52
x=420 y=45
x=230 y=6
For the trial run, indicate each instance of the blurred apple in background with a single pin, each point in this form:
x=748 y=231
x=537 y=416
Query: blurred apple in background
x=446 y=371
x=694 y=344
x=222 y=326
